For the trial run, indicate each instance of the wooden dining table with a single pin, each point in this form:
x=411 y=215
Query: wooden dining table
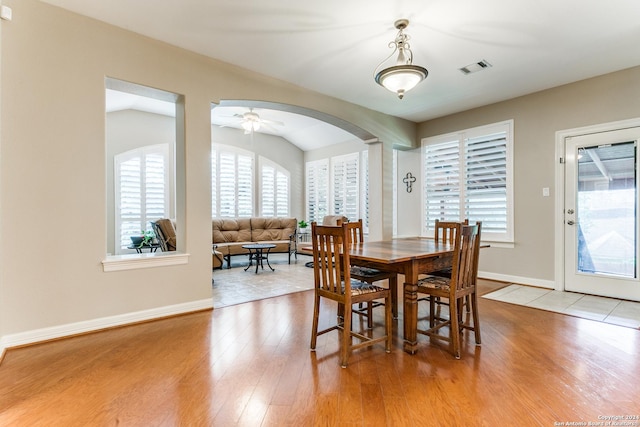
x=411 y=257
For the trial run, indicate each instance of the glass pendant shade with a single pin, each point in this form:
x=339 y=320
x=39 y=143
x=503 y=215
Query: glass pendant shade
x=401 y=78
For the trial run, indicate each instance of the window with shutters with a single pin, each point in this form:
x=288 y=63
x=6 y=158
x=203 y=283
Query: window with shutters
x=274 y=189
x=317 y=177
x=142 y=191
x=338 y=186
x=469 y=175
x=231 y=182
x=346 y=186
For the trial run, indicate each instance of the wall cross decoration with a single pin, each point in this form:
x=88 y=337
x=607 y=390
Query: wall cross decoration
x=409 y=179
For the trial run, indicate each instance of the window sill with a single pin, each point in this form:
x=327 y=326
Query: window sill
x=137 y=261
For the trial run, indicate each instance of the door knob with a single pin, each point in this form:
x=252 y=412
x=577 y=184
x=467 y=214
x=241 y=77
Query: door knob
x=570 y=222
x=570 y=211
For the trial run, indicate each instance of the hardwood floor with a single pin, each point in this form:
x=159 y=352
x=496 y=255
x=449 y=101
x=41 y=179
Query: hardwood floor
x=250 y=364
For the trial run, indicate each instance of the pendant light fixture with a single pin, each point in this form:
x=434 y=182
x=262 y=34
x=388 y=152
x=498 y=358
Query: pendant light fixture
x=403 y=76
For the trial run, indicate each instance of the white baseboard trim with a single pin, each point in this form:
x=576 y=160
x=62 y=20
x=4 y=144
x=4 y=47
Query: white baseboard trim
x=70 y=329
x=3 y=348
x=549 y=284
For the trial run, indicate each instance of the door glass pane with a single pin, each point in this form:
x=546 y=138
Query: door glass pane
x=607 y=210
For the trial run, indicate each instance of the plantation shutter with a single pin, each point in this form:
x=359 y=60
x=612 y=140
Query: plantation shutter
x=317 y=190
x=486 y=181
x=442 y=182
x=274 y=190
x=468 y=176
x=214 y=183
x=346 y=190
x=142 y=191
x=245 y=186
x=268 y=201
x=227 y=184
x=282 y=194
x=232 y=186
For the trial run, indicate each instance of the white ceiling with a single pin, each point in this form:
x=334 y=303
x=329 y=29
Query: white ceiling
x=333 y=47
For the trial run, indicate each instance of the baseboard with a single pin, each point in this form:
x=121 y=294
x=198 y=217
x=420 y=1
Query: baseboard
x=70 y=329
x=3 y=348
x=549 y=284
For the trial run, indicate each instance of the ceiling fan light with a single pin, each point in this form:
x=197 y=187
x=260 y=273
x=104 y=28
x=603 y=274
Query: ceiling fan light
x=247 y=126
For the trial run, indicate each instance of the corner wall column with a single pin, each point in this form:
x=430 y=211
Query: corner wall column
x=380 y=191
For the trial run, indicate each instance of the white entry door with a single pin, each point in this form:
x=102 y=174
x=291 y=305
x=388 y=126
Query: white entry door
x=601 y=214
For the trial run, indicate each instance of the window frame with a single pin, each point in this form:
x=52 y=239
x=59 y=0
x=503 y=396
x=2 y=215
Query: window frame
x=461 y=138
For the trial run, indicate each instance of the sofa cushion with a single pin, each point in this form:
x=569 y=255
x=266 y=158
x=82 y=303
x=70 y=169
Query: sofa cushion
x=231 y=230
x=272 y=229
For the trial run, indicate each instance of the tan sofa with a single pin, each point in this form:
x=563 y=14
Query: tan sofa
x=230 y=234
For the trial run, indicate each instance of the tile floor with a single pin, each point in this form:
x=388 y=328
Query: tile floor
x=608 y=310
x=235 y=286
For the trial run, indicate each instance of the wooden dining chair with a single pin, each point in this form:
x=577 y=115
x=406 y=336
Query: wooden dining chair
x=332 y=277
x=445 y=232
x=370 y=275
x=461 y=284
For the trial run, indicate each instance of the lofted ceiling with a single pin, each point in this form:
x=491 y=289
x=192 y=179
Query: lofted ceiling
x=333 y=47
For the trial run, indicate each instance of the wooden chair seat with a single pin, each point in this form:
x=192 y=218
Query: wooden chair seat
x=360 y=288
x=435 y=282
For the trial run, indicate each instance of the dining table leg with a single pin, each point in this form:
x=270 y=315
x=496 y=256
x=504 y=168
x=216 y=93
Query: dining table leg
x=411 y=310
x=393 y=285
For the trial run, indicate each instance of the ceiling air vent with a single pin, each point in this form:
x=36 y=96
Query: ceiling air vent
x=475 y=67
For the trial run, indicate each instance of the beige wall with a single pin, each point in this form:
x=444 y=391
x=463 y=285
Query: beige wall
x=537 y=117
x=52 y=164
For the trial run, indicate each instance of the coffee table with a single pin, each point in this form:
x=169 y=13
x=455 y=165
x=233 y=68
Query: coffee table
x=259 y=252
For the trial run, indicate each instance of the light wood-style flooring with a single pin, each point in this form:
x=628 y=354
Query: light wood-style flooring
x=250 y=365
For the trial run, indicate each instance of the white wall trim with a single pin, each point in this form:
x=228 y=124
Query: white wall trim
x=561 y=135
x=70 y=329
x=549 y=284
x=136 y=261
x=3 y=348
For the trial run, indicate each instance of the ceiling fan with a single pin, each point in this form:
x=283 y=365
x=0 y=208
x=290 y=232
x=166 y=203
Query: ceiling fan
x=251 y=122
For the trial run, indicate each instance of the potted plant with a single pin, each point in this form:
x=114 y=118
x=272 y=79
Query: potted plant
x=302 y=224
x=145 y=239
